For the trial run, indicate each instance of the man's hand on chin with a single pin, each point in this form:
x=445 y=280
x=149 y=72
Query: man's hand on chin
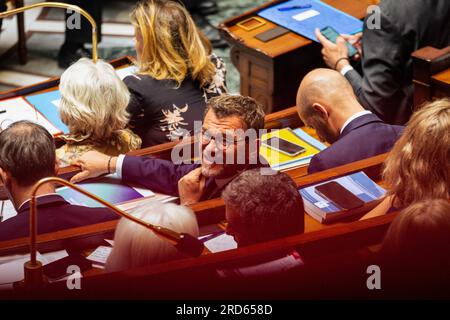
x=191 y=187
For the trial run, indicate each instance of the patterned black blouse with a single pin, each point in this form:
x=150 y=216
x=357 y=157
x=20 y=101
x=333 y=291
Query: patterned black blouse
x=161 y=112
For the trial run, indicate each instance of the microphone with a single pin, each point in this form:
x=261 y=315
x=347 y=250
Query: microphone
x=33 y=269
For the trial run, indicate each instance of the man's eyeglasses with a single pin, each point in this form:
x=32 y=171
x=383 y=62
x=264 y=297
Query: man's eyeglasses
x=221 y=140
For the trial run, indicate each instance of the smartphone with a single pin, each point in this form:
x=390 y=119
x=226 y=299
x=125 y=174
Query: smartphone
x=284 y=146
x=271 y=34
x=58 y=268
x=335 y=192
x=331 y=34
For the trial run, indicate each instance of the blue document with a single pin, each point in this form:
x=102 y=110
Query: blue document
x=48 y=104
x=315 y=14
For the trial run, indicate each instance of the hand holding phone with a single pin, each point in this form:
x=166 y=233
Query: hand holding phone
x=332 y=35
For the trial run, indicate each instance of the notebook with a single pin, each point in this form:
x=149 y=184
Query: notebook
x=279 y=161
x=48 y=104
x=326 y=211
x=305 y=21
x=109 y=188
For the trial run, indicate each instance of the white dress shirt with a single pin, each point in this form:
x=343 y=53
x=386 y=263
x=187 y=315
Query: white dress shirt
x=353 y=117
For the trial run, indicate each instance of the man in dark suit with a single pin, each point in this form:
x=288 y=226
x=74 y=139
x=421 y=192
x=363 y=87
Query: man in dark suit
x=385 y=86
x=228 y=143
x=326 y=102
x=27 y=154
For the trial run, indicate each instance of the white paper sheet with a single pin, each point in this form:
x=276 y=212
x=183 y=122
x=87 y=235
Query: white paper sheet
x=19 y=109
x=223 y=242
x=8 y=210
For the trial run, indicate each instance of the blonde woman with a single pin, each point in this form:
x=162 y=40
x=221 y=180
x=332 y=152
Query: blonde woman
x=418 y=167
x=136 y=246
x=177 y=73
x=93 y=106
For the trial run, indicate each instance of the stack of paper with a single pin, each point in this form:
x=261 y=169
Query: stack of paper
x=17 y=109
x=279 y=161
x=100 y=256
x=307 y=15
x=357 y=183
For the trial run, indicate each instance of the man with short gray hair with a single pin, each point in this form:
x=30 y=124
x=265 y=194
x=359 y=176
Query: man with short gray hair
x=262 y=207
x=226 y=117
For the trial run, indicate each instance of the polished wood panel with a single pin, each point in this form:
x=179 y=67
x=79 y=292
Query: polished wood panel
x=431 y=74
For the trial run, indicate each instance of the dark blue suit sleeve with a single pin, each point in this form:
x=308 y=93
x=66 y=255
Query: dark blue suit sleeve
x=155 y=174
x=315 y=165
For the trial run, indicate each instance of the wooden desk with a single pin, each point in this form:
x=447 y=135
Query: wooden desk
x=431 y=74
x=271 y=71
x=317 y=243
x=208 y=213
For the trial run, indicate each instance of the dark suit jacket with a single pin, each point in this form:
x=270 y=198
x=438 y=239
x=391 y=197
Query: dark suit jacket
x=364 y=137
x=54 y=213
x=386 y=86
x=163 y=175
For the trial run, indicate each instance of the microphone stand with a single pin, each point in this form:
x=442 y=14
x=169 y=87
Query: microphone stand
x=33 y=269
x=63 y=6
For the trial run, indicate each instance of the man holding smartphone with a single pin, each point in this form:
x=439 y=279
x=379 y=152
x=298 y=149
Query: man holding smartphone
x=385 y=86
x=326 y=102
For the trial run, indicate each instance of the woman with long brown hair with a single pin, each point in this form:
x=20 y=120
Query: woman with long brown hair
x=177 y=72
x=418 y=167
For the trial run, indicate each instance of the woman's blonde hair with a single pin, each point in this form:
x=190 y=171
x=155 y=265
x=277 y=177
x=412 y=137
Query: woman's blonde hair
x=418 y=167
x=172 y=46
x=136 y=246
x=93 y=102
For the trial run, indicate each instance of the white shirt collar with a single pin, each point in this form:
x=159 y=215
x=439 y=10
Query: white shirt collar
x=40 y=196
x=353 y=117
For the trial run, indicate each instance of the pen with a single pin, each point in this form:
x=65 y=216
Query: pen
x=2 y=111
x=294 y=7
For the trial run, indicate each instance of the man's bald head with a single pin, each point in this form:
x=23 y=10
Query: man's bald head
x=327 y=87
x=325 y=100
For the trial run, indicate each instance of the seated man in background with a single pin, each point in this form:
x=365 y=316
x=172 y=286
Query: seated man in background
x=136 y=246
x=262 y=207
x=225 y=117
x=415 y=254
x=326 y=102
x=27 y=154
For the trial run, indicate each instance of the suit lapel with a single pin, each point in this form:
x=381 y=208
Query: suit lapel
x=360 y=122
